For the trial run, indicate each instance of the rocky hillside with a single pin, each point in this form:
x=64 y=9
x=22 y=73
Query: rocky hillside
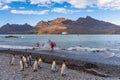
x=90 y=25
x=54 y=26
x=86 y=25
x=15 y=28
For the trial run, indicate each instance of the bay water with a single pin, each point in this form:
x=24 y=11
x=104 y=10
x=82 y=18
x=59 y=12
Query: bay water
x=78 y=46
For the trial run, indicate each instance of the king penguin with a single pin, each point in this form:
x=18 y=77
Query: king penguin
x=54 y=66
x=30 y=59
x=25 y=60
x=35 y=65
x=21 y=64
x=40 y=62
x=63 y=69
x=12 y=59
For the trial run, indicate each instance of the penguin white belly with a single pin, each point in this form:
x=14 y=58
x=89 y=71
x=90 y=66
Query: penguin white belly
x=63 y=69
x=25 y=61
x=40 y=63
x=12 y=60
x=21 y=65
x=53 y=68
x=28 y=59
x=35 y=65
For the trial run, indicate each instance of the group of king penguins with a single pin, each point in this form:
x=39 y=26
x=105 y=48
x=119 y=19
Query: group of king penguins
x=27 y=61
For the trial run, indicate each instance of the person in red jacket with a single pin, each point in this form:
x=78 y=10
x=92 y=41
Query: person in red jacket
x=52 y=45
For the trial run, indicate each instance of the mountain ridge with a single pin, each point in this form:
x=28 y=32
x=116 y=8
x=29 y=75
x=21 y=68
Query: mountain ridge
x=16 y=29
x=83 y=25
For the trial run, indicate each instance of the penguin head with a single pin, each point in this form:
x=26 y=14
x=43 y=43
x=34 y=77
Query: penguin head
x=64 y=61
x=53 y=60
x=39 y=56
x=36 y=59
x=21 y=57
x=13 y=54
x=30 y=54
x=25 y=56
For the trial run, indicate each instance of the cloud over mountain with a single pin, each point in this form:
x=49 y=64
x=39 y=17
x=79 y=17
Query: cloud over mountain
x=29 y=12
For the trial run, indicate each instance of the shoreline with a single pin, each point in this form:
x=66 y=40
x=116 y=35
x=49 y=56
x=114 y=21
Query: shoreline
x=97 y=69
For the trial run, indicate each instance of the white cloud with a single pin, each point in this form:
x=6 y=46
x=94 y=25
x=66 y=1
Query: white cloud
x=109 y=4
x=5 y=7
x=65 y=11
x=74 y=3
x=43 y=2
x=89 y=10
x=59 y=1
x=4 y=3
x=60 y=10
x=105 y=4
x=9 y=1
x=21 y=7
x=30 y=12
x=81 y=3
x=40 y=2
x=0 y=4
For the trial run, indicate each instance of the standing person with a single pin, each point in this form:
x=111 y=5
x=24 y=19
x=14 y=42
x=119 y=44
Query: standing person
x=12 y=59
x=52 y=45
x=63 y=69
x=21 y=64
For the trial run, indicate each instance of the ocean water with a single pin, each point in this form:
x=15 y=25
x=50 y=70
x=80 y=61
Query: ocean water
x=64 y=41
x=85 y=47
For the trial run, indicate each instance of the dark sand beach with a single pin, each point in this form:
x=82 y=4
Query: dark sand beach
x=77 y=70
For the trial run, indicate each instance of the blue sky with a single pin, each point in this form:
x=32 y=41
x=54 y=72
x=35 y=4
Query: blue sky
x=33 y=11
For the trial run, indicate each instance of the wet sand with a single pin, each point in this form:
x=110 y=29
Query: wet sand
x=77 y=70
